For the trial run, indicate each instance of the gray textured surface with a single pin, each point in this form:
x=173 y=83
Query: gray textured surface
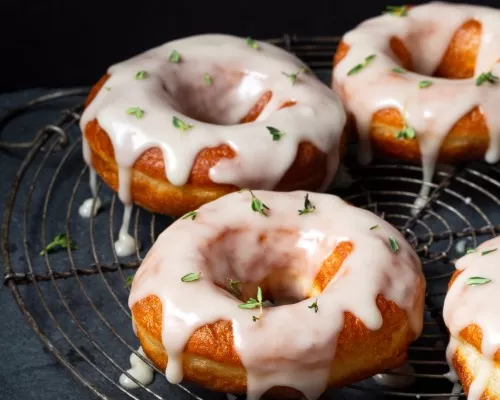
x=27 y=370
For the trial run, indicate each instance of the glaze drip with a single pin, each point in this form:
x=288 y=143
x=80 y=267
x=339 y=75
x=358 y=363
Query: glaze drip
x=467 y=304
x=139 y=370
x=229 y=240
x=240 y=75
x=426 y=32
x=90 y=207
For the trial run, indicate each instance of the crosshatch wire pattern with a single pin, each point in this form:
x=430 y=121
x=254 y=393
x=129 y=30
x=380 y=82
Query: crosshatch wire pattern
x=76 y=300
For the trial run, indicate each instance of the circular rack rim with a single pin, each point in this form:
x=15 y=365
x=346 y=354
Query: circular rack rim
x=54 y=138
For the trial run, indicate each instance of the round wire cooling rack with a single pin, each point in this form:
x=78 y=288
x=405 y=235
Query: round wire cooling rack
x=75 y=299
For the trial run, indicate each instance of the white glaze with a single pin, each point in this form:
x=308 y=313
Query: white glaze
x=140 y=370
x=393 y=380
x=90 y=207
x=465 y=305
x=426 y=32
x=240 y=76
x=126 y=244
x=299 y=356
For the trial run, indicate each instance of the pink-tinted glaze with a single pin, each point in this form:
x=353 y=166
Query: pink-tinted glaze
x=426 y=32
x=476 y=304
x=240 y=75
x=290 y=345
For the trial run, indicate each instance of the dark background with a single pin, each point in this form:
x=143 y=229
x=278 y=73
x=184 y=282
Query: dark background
x=71 y=43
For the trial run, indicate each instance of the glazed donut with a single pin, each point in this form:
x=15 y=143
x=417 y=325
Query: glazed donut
x=420 y=84
x=196 y=118
x=472 y=314
x=347 y=291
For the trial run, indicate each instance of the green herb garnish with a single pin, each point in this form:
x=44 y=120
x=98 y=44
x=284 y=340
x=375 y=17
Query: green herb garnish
x=483 y=253
x=207 y=78
x=107 y=88
x=258 y=205
x=399 y=70
x=191 y=277
x=253 y=303
x=180 y=124
x=397 y=11
x=252 y=43
x=308 y=206
x=314 y=306
x=470 y=251
x=60 y=241
x=141 y=75
x=293 y=77
x=128 y=281
x=275 y=133
x=190 y=214
x=424 y=84
x=138 y=112
x=393 y=244
x=486 y=77
x=174 y=57
x=359 y=67
x=477 y=280
x=374 y=227
x=406 y=133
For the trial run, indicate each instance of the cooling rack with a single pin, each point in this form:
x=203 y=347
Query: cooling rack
x=75 y=300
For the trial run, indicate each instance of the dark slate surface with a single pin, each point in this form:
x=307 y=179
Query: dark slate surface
x=27 y=370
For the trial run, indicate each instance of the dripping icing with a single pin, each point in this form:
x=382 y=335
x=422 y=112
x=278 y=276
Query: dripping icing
x=125 y=245
x=302 y=357
x=139 y=370
x=90 y=207
x=431 y=112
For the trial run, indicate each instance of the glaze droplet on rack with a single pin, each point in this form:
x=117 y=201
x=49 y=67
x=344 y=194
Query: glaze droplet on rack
x=240 y=76
x=140 y=370
x=90 y=207
x=432 y=112
x=303 y=355
x=474 y=298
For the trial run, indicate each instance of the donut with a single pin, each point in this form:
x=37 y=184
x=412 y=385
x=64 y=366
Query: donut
x=277 y=293
x=196 y=118
x=421 y=84
x=472 y=314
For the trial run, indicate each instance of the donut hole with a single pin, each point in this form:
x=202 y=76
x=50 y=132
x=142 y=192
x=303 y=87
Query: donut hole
x=218 y=96
x=288 y=265
x=458 y=60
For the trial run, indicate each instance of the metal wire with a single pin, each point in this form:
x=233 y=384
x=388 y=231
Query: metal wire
x=88 y=329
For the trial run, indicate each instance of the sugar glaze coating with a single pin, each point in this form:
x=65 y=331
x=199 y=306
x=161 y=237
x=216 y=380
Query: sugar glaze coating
x=432 y=112
x=299 y=356
x=240 y=75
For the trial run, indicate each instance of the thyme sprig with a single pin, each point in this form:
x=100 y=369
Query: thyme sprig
x=293 y=76
x=308 y=206
x=60 y=241
x=180 y=124
x=254 y=303
x=362 y=65
x=397 y=11
x=191 y=277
